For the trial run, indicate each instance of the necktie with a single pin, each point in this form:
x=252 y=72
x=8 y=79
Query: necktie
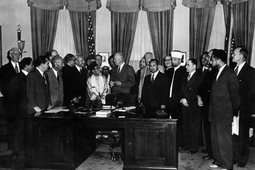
x=16 y=68
x=45 y=78
x=152 y=77
x=171 y=85
x=58 y=78
x=118 y=69
x=236 y=70
x=189 y=76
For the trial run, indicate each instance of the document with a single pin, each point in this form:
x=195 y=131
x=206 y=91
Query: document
x=57 y=109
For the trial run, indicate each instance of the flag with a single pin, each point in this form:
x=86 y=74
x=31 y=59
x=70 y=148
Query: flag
x=91 y=38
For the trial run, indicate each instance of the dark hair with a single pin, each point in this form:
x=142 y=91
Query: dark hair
x=90 y=57
x=8 y=55
x=49 y=53
x=92 y=66
x=244 y=52
x=204 y=53
x=40 y=60
x=220 y=54
x=69 y=57
x=99 y=56
x=153 y=60
x=193 y=61
x=25 y=62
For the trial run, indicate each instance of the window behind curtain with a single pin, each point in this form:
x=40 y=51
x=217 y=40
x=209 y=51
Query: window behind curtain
x=64 y=42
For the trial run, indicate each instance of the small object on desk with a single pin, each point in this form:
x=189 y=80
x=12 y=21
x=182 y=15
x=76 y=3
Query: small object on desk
x=103 y=113
x=57 y=109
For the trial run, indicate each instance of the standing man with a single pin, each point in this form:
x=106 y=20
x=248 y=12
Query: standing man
x=67 y=75
x=7 y=72
x=175 y=77
x=154 y=96
x=246 y=78
x=37 y=87
x=18 y=96
x=191 y=114
x=122 y=77
x=224 y=103
x=56 y=82
x=209 y=75
x=79 y=81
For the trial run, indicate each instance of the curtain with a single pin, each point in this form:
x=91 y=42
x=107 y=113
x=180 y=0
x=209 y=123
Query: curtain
x=142 y=41
x=79 y=21
x=161 y=30
x=43 y=28
x=251 y=28
x=64 y=41
x=201 y=21
x=123 y=26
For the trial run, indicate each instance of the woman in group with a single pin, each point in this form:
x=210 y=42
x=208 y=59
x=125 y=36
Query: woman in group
x=96 y=86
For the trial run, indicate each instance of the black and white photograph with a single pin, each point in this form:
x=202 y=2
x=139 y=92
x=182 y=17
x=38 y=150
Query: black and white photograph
x=127 y=85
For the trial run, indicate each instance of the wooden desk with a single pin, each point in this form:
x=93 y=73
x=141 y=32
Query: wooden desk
x=64 y=142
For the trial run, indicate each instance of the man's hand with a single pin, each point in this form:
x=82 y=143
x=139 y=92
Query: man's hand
x=112 y=83
x=199 y=101
x=118 y=83
x=184 y=102
x=37 y=109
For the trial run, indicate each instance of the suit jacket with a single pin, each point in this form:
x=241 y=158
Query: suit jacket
x=56 y=88
x=37 y=91
x=190 y=91
x=127 y=78
x=18 y=94
x=154 y=93
x=246 y=79
x=225 y=98
x=7 y=72
x=79 y=84
x=205 y=87
x=67 y=75
x=180 y=75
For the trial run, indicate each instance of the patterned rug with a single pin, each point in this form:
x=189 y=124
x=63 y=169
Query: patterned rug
x=101 y=160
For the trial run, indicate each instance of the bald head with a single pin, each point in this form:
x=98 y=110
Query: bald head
x=14 y=54
x=118 y=58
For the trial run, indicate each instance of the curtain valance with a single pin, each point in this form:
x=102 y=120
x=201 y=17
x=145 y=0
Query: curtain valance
x=199 y=3
x=226 y=2
x=83 y=5
x=47 y=4
x=208 y=3
x=72 y=5
x=136 y=5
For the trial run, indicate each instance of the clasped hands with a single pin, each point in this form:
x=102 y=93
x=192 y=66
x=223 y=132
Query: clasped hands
x=115 y=83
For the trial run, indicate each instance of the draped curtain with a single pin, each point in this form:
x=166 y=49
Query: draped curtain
x=243 y=22
x=124 y=11
x=161 y=30
x=43 y=28
x=201 y=22
x=123 y=26
x=79 y=22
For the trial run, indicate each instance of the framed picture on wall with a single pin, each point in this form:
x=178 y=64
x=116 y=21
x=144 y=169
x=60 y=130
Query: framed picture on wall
x=105 y=56
x=184 y=58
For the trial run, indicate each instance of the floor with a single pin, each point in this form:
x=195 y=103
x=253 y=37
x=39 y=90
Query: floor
x=101 y=160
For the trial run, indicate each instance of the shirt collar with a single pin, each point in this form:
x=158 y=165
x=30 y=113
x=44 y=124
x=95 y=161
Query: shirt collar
x=155 y=74
x=191 y=74
x=121 y=66
x=25 y=72
x=55 y=72
x=175 y=68
x=39 y=71
x=78 y=68
x=14 y=64
x=240 y=66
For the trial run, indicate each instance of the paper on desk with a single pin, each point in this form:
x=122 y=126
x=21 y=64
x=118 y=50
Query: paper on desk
x=129 y=108
x=1 y=95
x=56 y=110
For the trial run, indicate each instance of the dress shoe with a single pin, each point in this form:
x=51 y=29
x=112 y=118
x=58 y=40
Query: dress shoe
x=213 y=166
x=241 y=164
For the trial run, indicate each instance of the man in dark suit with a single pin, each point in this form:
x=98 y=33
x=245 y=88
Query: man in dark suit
x=67 y=75
x=79 y=81
x=224 y=103
x=209 y=74
x=38 y=88
x=122 y=80
x=18 y=97
x=246 y=78
x=191 y=114
x=7 y=72
x=154 y=96
x=56 y=82
x=175 y=77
